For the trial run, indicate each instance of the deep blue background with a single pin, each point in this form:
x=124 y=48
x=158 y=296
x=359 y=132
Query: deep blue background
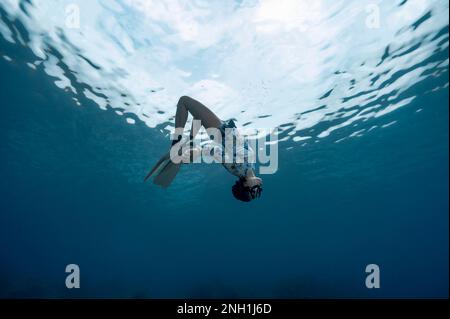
x=72 y=192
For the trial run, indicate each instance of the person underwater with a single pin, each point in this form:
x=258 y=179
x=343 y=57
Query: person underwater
x=247 y=187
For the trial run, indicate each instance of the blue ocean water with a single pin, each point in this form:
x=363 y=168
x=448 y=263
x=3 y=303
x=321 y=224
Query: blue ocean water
x=363 y=150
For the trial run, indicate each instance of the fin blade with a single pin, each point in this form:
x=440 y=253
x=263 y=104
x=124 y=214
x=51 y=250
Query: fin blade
x=155 y=168
x=167 y=174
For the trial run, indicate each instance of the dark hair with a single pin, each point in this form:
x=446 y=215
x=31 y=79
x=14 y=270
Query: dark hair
x=245 y=193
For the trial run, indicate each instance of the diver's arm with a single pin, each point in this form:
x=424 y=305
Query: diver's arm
x=207 y=149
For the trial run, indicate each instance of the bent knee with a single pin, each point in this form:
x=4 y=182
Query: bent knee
x=184 y=99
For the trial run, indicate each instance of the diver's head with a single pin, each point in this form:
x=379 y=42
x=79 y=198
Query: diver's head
x=247 y=188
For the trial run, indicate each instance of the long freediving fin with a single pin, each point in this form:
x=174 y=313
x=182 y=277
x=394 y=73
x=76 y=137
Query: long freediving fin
x=163 y=160
x=167 y=174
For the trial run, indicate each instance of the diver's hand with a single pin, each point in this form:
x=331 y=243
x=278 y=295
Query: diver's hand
x=190 y=154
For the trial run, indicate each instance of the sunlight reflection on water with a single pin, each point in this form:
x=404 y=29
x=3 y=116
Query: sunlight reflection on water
x=310 y=69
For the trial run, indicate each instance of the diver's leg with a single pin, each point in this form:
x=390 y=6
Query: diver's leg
x=202 y=116
x=199 y=112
